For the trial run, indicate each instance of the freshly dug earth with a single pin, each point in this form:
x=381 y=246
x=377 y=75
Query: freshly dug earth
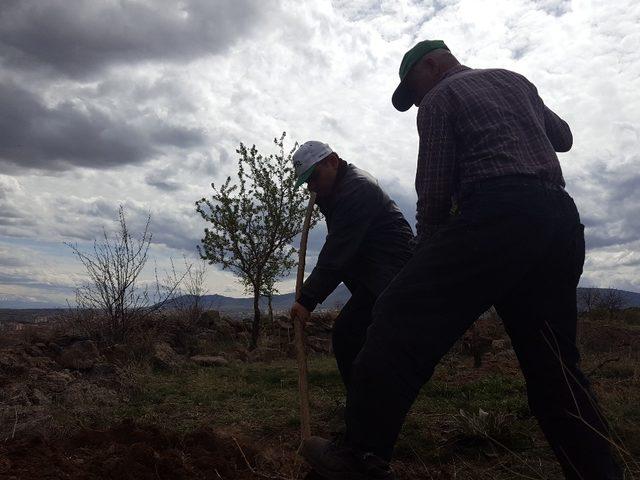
x=128 y=451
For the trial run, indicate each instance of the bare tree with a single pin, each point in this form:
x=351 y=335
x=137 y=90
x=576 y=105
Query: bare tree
x=254 y=221
x=194 y=287
x=590 y=298
x=114 y=291
x=612 y=301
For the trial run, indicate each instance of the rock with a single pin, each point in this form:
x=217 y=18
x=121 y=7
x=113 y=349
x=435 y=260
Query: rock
x=104 y=369
x=239 y=353
x=39 y=398
x=499 y=345
x=320 y=345
x=507 y=354
x=12 y=364
x=164 y=357
x=34 y=373
x=81 y=355
x=209 y=318
x=56 y=382
x=264 y=354
x=34 y=351
x=85 y=393
x=117 y=353
x=44 y=363
x=206 y=336
x=225 y=329
x=284 y=322
x=209 y=361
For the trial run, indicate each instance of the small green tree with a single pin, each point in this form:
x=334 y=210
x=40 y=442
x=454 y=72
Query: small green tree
x=278 y=266
x=253 y=222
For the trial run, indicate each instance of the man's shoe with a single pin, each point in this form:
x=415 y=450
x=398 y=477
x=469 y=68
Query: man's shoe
x=336 y=461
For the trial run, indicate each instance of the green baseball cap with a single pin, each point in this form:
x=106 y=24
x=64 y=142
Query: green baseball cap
x=401 y=99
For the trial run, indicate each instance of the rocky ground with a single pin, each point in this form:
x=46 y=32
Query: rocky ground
x=189 y=400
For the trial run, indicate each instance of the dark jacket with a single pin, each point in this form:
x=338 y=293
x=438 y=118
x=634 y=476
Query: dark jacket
x=368 y=238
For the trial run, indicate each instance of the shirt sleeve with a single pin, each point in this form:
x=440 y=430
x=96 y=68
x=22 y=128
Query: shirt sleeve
x=354 y=212
x=435 y=170
x=558 y=131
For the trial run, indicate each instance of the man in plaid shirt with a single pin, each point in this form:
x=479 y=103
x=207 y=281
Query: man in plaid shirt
x=495 y=228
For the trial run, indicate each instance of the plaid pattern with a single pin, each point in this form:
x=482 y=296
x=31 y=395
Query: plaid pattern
x=480 y=124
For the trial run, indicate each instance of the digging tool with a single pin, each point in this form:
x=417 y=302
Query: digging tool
x=303 y=383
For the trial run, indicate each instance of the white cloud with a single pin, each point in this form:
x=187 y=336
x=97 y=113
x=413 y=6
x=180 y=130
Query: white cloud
x=319 y=70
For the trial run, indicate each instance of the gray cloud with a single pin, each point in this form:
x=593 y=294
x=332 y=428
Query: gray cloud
x=82 y=37
x=557 y=8
x=162 y=183
x=35 y=135
x=609 y=199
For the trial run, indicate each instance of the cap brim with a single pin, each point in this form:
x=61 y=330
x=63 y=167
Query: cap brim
x=401 y=98
x=304 y=177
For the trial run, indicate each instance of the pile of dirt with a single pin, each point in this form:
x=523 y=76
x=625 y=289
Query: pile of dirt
x=608 y=336
x=129 y=451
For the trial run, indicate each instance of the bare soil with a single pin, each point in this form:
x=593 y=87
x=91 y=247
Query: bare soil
x=128 y=451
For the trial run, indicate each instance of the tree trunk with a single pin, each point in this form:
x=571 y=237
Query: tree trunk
x=270 y=308
x=255 y=330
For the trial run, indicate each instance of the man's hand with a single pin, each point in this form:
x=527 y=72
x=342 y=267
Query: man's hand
x=299 y=312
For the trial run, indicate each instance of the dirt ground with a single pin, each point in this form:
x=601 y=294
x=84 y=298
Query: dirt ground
x=128 y=451
x=73 y=408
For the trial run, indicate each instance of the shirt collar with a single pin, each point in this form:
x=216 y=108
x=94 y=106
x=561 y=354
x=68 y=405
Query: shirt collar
x=453 y=71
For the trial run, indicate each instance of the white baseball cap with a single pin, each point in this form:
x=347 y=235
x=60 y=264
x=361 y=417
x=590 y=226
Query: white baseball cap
x=306 y=157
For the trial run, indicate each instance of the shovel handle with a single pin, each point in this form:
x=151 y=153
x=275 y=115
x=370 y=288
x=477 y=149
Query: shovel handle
x=303 y=375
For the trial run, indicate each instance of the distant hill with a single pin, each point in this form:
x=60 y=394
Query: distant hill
x=340 y=296
x=281 y=303
x=337 y=299
x=628 y=299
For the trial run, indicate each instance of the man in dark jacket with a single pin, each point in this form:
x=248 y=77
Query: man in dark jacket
x=495 y=227
x=368 y=242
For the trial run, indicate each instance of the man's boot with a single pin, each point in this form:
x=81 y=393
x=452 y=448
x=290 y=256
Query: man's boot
x=334 y=460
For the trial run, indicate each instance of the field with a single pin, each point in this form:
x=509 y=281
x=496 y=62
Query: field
x=189 y=401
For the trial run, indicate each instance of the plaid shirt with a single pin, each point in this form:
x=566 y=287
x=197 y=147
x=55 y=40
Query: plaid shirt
x=479 y=124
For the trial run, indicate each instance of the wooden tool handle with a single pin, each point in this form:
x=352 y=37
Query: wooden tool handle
x=303 y=382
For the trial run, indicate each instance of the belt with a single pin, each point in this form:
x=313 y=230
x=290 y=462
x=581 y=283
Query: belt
x=510 y=181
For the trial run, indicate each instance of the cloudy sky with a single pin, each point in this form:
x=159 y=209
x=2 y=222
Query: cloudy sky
x=142 y=103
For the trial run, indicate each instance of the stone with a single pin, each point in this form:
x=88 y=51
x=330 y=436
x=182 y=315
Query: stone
x=104 y=369
x=56 y=382
x=264 y=354
x=164 y=357
x=320 y=345
x=499 y=345
x=117 y=353
x=39 y=398
x=209 y=318
x=85 y=393
x=81 y=355
x=209 y=361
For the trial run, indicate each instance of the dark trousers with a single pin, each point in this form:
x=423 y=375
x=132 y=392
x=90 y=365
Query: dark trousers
x=350 y=329
x=516 y=245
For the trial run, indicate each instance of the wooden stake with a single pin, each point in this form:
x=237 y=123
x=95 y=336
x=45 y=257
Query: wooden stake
x=303 y=375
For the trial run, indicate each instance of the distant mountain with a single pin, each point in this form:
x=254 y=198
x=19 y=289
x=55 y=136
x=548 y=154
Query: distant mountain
x=280 y=302
x=340 y=296
x=19 y=303
x=283 y=302
x=627 y=299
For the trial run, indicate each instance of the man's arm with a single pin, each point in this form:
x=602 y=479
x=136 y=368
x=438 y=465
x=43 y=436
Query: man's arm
x=350 y=221
x=435 y=170
x=557 y=130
